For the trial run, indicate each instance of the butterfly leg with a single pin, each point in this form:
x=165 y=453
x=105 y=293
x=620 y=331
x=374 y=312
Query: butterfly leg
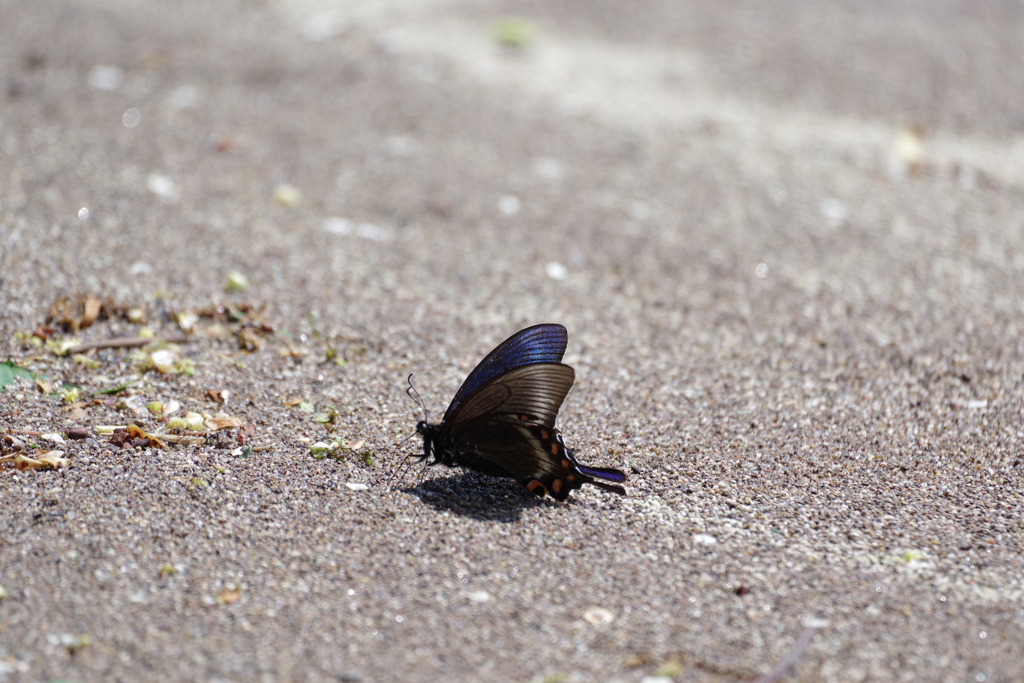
x=399 y=473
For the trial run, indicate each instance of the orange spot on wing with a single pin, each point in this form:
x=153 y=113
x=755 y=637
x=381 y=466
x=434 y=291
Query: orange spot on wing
x=557 y=485
x=537 y=488
x=544 y=434
x=554 y=449
x=565 y=464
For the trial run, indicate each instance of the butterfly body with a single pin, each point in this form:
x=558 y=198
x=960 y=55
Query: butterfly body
x=502 y=420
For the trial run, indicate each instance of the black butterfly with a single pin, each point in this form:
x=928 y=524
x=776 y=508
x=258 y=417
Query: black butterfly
x=502 y=420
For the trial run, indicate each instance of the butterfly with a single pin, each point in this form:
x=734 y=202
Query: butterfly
x=502 y=419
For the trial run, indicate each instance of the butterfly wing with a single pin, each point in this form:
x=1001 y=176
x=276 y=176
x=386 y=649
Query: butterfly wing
x=506 y=428
x=538 y=344
x=536 y=391
x=532 y=454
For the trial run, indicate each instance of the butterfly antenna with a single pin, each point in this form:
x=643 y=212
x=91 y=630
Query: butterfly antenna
x=415 y=395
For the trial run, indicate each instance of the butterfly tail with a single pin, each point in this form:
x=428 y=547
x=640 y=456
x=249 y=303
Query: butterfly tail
x=607 y=473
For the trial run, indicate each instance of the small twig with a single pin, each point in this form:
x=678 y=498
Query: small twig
x=72 y=433
x=184 y=439
x=802 y=641
x=127 y=342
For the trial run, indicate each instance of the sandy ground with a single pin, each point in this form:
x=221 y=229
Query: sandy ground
x=787 y=240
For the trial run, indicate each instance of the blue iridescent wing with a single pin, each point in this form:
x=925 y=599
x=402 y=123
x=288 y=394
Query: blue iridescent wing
x=536 y=390
x=538 y=344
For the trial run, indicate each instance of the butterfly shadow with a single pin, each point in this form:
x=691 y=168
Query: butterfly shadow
x=476 y=496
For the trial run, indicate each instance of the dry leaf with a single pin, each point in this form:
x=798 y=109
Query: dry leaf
x=229 y=596
x=43 y=332
x=137 y=433
x=217 y=423
x=217 y=331
x=75 y=313
x=76 y=411
x=218 y=395
x=119 y=437
x=248 y=339
x=22 y=462
x=92 y=311
x=245 y=432
x=44 y=460
x=132 y=436
x=65 y=313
